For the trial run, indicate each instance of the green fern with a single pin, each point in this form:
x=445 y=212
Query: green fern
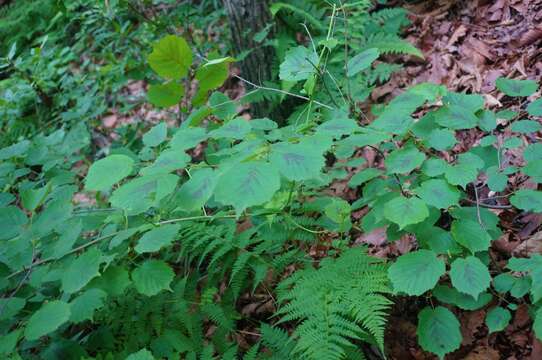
x=391 y=44
x=341 y=302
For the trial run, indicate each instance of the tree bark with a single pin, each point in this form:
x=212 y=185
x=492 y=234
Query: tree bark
x=246 y=18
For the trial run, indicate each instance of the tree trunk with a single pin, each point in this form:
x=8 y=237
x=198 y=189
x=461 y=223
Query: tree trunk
x=247 y=18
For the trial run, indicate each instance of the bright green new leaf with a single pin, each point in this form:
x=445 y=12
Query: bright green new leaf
x=404 y=160
x=528 y=200
x=210 y=76
x=512 y=87
x=170 y=57
x=165 y=95
x=405 y=211
x=152 y=277
x=47 y=319
x=108 y=171
x=362 y=61
x=438 y=193
x=497 y=319
x=187 y=138
x=83 y=269
x=247 y=184
x=535 y=108
x=438 y=331
x=156 y=239
x=416 y=272
x=297 y=162
x=470 y=276
x=83 y=306
x=156 y=135
x=298 y=64
x=471 y=235
x=526 y=126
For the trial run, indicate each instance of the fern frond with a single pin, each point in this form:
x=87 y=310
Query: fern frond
x=391 y=44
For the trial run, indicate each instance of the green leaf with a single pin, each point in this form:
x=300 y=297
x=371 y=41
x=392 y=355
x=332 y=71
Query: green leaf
x=533 y=152
x=362 y=61
x=113 y=281
x=497 y=319
x=298 y=64
x=488 y=121
x=194 y=193
x=108 y=171
x=152 y=277
x=526 y=126
x=47 y=319
x=537 y=326
x=503 y=283
x=32 y=198
x=404 y=160
x=416 y=272
x=363 y=176
x=156 y=135
x=470 y=276
x=12 y=220
x=297 y=162
x=471 y=235
x=10 y=307
x=187 y=138
x=156 y=239
x=165 y=95
x=534 y=170
x=170 y=57
x=448 y=295
x=438 y=193
x=456 y=118
x=83 y=306
x=496 y=180
x=83 y=269
x=441 y=139
x=405 y=211
x=434 y=167
x=237 y=128
x=210 y=76
x=513 y=87
x=438 y=331
x=167 y=162
x=142 y=354
x=535 y=108
x=9 y=341
x=461 y=174
x=247 y=184
x=528 y=200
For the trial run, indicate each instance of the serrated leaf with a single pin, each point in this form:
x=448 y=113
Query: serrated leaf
x=456 y=118
x=194 y=193
x=362 y=61
x=470 y=276
x=448 y=295
x=471 y=235
x=461 y=174
x=165 y=95
x=170 y=57
x=438 y=193
x=113 y=281
x=83 y=306
x=298 y=64
x=108 y=171
x=441 y=139
x=438 y=331
x=187 y=138
x=405 y=211
x=237 y=128
x=167 y=162
x=247 y=184
x=497 y=319
x=83 y=269
x=156 y=135
x=416 y=272
x=528 y=200
x=297 y=162
x=210 y=76
x=156 y=239
x=337 y=127
x=512 y=87
x=535 y=108
x=47 y=319
x=404 y=160
x=152 y=277
x=434 y=167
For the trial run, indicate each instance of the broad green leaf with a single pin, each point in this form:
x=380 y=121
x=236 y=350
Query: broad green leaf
x=533 y=152
x=438 y=331
x=15 y=150
x=526 y=126
x=362 y=61
x=488 y=121
x=10 y=307
x=535 y=108
x=121 y=236
x=170 y=57
x=503 y=283
x=237 y=128
x=9 y=341
x=194 y=193
x=113 y=281
x=167 y=162
x=165 y=95
x=405 y=211
x=448 y=295
x=83 y=269
x=152 y=277
x=363 y=176
x=247 y=184
x=47 y=319
x=12 y=220
x=106 y=172
x=210 y=76
x=32 y=198
x=224 y=108
x=470 y=276
x=83 y=306
x=142 y=354
x=404 y=160
x=187 y=138
x=461 y=174
x=297 y=162
x=497 y=319
x=156 y=135
x=534 y=170
x=471 y=235
x=416 y=272
x=456 y=118
x=537 y=326
x=441 y=139
x=528 y=200
x=512 y=87
x=496 y=180
x=339 y=211
x=434 y=167
x=512 y=143
x=438 y=193
x=156 y=239
x=298 y=64
x=470 y=102
x=337 y=127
